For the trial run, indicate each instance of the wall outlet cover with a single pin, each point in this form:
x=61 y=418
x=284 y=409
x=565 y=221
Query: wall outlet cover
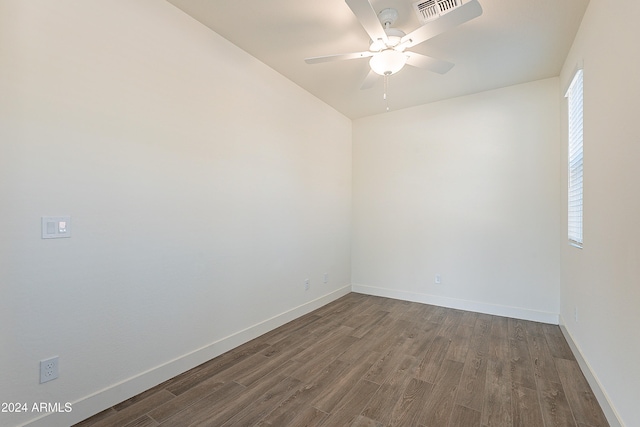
x=48 y=369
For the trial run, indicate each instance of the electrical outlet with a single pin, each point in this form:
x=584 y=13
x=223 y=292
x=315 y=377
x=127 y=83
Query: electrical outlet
x=438 y=279
x=575 y=313
x=325 y=277
x=306 y=284
x=48 y=369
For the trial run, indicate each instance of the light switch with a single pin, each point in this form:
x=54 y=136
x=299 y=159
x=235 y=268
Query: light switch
x=56 y=227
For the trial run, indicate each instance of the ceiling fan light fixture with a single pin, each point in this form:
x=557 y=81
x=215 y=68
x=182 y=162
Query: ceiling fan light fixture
x=387 y=62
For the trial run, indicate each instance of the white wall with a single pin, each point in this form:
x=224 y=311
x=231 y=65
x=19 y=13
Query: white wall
x=203 y=188
x=466 y=188
x=603 y=280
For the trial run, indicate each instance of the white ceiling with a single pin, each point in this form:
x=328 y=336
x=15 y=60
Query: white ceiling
x=514 y=41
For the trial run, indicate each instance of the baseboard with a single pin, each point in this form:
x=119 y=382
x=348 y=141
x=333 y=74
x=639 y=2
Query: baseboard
x=116 y=393
x=603 y=399
x=478 y=307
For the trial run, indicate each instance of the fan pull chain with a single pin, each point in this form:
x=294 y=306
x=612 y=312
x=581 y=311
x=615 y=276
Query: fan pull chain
x=386 y=88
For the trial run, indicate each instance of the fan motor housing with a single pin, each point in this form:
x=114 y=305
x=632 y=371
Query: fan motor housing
x=394 y=36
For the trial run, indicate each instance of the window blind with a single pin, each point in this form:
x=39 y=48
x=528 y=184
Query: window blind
x=575 y=199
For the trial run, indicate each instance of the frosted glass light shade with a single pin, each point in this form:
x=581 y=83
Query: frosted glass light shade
x=387 y=62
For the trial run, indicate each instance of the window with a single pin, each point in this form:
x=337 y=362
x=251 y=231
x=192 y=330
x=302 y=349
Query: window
x=574 y=95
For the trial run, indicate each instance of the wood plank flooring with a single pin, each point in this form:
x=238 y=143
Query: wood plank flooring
x=371 y=361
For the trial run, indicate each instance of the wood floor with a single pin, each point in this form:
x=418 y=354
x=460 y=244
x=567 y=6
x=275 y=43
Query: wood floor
x=371 y=361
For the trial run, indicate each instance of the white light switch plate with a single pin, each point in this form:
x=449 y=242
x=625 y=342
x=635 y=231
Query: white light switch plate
x=56 y=227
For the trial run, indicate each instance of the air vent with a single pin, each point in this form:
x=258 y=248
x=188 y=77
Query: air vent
x=428 y=10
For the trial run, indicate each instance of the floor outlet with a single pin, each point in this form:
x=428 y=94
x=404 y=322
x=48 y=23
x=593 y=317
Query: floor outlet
x=306 y=284
x=48 y=369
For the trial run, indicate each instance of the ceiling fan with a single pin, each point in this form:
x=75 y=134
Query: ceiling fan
x=388 y=47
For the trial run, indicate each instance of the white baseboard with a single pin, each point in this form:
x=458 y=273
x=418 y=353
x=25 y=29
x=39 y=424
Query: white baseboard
x=479 y=307
x=116 y=393
x=603 y=399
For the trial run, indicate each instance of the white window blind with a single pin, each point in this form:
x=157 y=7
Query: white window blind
x=574 y=95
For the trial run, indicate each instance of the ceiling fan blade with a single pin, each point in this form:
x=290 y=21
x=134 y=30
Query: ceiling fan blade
x=432 y=64
x=368 y=19
x=457 y=16
x=338 y=57
x=370 y=80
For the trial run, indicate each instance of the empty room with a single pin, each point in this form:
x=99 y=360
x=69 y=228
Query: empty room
x=358 y=213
